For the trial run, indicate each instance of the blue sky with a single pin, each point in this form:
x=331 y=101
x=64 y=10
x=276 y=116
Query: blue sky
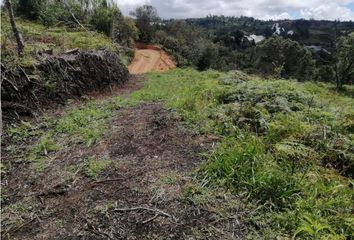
x=262 y=9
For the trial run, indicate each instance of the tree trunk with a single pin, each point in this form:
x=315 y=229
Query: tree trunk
x=20 y=45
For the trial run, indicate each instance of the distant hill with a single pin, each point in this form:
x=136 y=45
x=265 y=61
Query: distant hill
x=308 y=32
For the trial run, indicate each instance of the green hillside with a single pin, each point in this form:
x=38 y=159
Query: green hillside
x=285 y=148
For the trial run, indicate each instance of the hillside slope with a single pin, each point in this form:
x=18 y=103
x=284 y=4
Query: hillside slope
x=277 y=160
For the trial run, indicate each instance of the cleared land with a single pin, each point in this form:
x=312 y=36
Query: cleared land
x=149 y=58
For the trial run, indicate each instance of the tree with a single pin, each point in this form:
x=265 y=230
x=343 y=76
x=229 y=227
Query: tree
x=124 y=31
x=103 y=17
x=20 y=44
x=208 y=57
x=284 y=58
x=30 y=9
x=344 y=67
x=146 y=20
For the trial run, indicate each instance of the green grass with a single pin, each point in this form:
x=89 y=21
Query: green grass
x=96 y=166
x=13 y=215
x=287 y=146
x=78 y=125
x=37 y=37
x=86 y=124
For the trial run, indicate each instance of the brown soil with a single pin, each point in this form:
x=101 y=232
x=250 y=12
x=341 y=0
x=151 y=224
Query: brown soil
x=150 y=58
x=134 y=198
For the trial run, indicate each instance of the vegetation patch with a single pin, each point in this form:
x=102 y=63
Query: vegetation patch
x=86 y=124
x=96 y=166
x=279 y=146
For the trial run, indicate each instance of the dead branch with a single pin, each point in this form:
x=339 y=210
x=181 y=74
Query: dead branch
x=158 y=211
x=150 y=219
x=70 y=51
x=72 y=14
x=109 y=180
x=15 y=229
x=24 y=73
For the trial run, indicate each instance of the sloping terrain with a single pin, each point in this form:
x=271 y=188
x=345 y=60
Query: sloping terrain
x=107 y=169
x=147 y=155
x=149 y=58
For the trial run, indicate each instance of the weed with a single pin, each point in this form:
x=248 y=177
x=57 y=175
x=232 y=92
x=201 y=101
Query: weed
x=44 y=146
x=312 y=227
x=39 y=164
x=22 y=131
x=95 y=167
x=171 y=179
x=87 y=124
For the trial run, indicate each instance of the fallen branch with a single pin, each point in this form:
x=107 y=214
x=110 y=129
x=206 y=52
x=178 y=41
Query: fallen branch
x=150 y=219
x=109 y=180
x=12 y=230
x=70 y=51
x=96 y=231
x=158 y=211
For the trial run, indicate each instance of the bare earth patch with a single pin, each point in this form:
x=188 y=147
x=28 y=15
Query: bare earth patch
x=145 y=191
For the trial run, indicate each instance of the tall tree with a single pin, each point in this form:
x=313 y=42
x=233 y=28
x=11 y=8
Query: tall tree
x=29 y=9
x=20 y=44
x=146 y=21
x=344 y=67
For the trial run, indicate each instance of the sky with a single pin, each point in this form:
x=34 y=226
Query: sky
x=261 y=9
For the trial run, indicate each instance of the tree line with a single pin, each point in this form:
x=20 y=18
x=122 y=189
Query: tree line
x=209 y=45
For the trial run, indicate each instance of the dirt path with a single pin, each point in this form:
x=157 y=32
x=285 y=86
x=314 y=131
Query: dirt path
x=146 y=191
x=149 y=58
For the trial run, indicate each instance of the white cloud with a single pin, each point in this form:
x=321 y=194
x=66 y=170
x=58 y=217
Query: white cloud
x=263 y=9
x=330 y=11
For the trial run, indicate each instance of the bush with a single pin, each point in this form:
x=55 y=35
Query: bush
x=103 y=17
x=147 y=21
x=29 y=9
x=124 y=31
x=284 y=58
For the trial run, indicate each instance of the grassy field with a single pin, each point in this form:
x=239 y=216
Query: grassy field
x=286 y=149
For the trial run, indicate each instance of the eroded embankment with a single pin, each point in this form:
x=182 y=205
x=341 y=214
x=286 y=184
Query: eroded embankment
x=54 y=79
x=150 y=58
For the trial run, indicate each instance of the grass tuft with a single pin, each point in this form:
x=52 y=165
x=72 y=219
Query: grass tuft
x=96 y=166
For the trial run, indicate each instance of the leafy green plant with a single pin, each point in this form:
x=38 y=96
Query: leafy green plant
x=312 y=227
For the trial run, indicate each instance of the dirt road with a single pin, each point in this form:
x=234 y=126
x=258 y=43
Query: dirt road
x=150 y=58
